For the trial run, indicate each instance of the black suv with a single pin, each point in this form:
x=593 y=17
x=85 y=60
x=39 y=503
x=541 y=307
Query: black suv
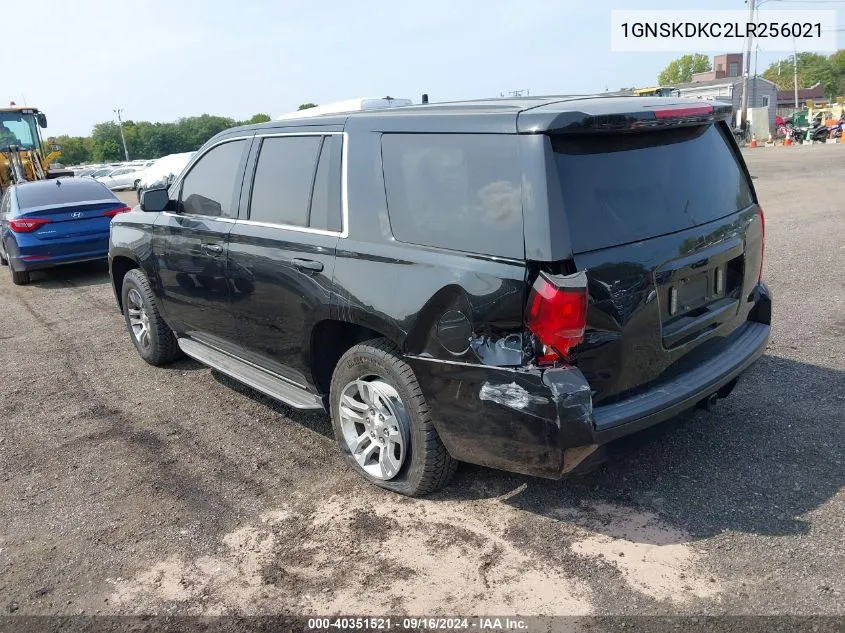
x=512 y=283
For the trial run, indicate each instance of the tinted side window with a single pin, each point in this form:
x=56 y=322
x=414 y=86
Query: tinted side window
x=325 y=201
x=456 y=191
x=281 y=189
x=210 y=187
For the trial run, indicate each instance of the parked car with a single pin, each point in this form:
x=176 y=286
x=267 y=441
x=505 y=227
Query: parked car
x=99 y=173
x=163 y=171
x=48 y=223
x=513 y=286
x=123 y=178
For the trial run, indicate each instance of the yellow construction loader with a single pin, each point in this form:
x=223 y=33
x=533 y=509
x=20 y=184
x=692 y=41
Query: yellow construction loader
x=21 y=154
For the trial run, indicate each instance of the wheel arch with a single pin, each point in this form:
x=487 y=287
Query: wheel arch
x=119 y=265
x=332 y=338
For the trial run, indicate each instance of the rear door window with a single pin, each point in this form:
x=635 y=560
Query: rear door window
x=325 y=200
x=281 y=189
x=457 y=191
x=621 y=188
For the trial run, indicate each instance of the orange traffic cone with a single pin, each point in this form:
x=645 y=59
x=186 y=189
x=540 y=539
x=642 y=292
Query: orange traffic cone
x=787 y=141
x=753 y=140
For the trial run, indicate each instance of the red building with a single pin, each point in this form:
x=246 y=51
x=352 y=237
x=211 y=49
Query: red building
x=724 y=66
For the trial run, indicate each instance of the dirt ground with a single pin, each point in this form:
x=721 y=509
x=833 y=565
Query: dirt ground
x=129 y=489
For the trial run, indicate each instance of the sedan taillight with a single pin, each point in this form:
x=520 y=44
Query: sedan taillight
x=27 y=225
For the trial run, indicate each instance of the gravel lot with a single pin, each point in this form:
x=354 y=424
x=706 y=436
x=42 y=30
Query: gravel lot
x=129 y=489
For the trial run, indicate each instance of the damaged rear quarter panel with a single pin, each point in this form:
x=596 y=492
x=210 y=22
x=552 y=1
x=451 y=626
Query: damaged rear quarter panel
x=516 y=419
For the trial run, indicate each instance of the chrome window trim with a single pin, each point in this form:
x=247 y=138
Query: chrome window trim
x=344 y=187
x=289 y=227
x=214 y=218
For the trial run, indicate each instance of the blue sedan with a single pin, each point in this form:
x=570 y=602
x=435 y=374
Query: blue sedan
x=53 y=222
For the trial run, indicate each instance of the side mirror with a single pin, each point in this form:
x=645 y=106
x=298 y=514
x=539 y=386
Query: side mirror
x=42 y=119
x=155 y=200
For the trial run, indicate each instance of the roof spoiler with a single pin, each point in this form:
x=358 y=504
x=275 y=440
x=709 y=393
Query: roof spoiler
x=648 y=118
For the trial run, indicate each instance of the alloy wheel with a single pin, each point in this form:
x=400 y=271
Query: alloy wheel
x=139 y=321
x=375 y=426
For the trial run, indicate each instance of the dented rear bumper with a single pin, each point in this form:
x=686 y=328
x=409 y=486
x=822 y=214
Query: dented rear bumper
x=543 y=422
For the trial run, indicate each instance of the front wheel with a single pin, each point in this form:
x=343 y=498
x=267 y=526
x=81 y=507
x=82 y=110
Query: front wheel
x=152 y=337
x=4 y=259
x=382 y=423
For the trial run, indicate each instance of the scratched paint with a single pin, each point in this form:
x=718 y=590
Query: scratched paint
x=510 y=395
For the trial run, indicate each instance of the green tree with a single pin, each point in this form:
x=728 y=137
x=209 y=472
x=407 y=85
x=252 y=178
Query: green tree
x=812 y=69
x=106 y=143
x=258 y=118
x=192 y=132
x=837 y=68
x=145 y=139
x=75 y=149
x=305 y=106
x=681 y=70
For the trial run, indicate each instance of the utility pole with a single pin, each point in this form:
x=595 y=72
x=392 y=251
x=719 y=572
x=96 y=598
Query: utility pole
x=756 y=55
x=795 y=70
x=744 y=116
x=122 y=137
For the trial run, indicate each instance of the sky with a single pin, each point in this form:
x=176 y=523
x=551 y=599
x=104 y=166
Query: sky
x=159 y=60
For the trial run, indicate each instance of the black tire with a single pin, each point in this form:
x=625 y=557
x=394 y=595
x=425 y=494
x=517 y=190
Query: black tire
x=19 y=278
x=3 y=260
x=135 y=185
x=162 y=348
x=428 y=466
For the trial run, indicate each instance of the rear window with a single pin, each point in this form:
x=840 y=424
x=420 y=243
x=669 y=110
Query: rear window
x=455 y=191
x=50 y=192
x=624 y=188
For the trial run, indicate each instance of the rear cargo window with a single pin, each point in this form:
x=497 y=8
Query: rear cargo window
x=624 y=188
x=48 y=192
x=456 y=191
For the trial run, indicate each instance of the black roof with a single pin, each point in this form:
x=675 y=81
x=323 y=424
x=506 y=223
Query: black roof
x=505 y=115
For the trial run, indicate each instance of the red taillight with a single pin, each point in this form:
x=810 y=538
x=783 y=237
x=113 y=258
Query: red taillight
x=27 y=225
x=762 y=243
x=113 y=212
x=682 y=111
x=557 y=314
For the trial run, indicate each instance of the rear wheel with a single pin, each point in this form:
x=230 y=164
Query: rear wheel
x=382 y=423
x=152 y=337
x=4 y=261
x=19 y=278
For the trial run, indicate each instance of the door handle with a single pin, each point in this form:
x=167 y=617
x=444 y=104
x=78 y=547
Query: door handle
x=308 y=265
x=214 y=249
